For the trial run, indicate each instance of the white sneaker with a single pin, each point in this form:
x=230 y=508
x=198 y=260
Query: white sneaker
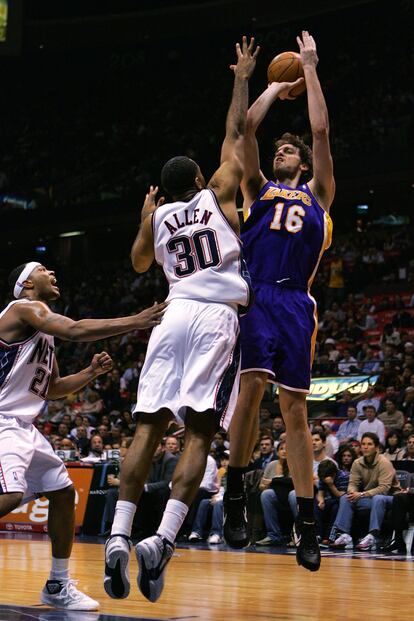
x=64 y=595
x=366 y=543
x=214 y=539
x=344 y=541
x=116 y=579
x=194 y=536
x=153 y=556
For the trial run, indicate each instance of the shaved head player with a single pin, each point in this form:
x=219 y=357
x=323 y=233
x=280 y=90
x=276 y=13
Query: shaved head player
x=29 y=374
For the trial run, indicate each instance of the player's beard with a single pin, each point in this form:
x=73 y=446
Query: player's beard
x=282 y=172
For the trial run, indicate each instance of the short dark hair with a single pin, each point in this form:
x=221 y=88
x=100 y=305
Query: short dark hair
x=14 y=275
x=178 y=175
x=372 y=436
x=327 y=468
x=321 y=434
x=266 y=437
x=305 y=153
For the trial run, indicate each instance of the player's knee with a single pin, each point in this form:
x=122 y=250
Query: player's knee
x=9 y=502
x=296 y=412
x=254 y=383
x=64 y=496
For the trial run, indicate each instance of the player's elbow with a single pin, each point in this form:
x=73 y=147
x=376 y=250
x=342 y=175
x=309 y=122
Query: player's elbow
x=76 y=332
x=139 y=264
x=320 y=131
x=54 y=391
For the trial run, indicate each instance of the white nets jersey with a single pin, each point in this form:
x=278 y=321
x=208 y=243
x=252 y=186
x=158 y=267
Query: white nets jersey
x=25 y=370
x=199 y=252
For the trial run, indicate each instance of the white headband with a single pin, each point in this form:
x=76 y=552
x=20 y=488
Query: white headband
x=18 y=287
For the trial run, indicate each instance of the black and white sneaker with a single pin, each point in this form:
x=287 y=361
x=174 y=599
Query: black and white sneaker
x=235 y=526
x=307 y=551
x=64 y=595
x=153 y=556
x=116 y=579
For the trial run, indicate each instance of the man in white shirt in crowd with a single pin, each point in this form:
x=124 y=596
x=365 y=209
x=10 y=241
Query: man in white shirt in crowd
x=370 y=399
x=372 y=424
x=349 y=429
x=332 y=443
x=348 y=364
x=96 y=451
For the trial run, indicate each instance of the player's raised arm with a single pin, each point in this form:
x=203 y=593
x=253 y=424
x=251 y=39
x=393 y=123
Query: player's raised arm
x=39 y=316
x=142 y=252
x=253 y=178
x=323 y=183
x=226 y=180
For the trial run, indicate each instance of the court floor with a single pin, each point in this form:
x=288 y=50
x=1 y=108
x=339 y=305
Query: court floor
x=207 y=584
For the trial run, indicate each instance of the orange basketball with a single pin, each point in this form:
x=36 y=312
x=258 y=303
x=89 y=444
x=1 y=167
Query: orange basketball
x=287 y=67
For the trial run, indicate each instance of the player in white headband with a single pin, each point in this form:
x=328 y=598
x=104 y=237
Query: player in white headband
x=29 y=374
x=24 y=275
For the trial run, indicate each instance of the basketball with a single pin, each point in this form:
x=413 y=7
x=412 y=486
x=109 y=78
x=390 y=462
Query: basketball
x=287 y=67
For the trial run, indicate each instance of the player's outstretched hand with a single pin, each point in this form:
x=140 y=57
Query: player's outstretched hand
x=246 y=58
x=101 y=363
x=150 y=203
x=284 y=88
x=151 y=317
x=307 y=49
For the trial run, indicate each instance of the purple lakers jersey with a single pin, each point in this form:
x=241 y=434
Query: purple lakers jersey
x=285 y=235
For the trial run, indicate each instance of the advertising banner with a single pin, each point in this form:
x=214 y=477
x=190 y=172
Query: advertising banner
x=32 y=516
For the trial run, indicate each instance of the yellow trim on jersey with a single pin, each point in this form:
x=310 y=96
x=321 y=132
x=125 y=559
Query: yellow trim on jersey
x=315 y=330
x=327 y=240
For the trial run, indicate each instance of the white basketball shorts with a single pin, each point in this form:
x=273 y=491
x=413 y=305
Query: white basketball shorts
x=27 y=461
x=193 y=360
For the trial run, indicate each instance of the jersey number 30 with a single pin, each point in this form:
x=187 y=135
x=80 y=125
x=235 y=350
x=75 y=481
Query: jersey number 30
x=294 y=218
x=194 y=253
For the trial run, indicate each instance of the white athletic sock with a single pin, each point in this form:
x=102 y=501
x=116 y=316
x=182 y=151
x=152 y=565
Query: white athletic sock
x=172 y=520
x=124 y=516
x=59 y=569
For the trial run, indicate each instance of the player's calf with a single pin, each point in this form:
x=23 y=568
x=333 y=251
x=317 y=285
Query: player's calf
x=9 y=502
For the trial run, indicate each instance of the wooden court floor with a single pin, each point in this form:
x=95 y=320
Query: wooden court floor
x=213 y=585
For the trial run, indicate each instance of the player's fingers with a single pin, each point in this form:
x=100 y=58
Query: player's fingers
x=162 y=305
x=251 y=44
x=232 y=67
x=238 y=50
x=257 y=50
x=299 y=41
x=244 y=43
x=298 y=81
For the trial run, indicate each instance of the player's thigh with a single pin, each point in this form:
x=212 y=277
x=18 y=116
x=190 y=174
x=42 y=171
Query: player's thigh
x=259 y=334
x=162 y=371
x=295 y=348
x=212 y=358
x=47 y=472
x=16 y=454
